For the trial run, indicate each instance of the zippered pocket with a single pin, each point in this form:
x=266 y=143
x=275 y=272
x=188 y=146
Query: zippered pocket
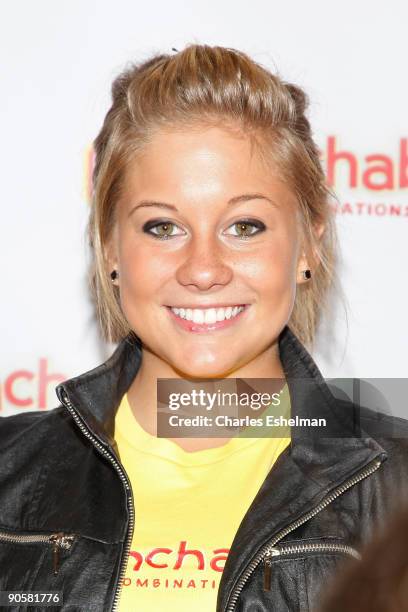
x=56 y=541
x=288 y=549
x=369 y=469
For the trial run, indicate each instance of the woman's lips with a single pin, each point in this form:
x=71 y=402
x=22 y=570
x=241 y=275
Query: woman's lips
x=201 y=327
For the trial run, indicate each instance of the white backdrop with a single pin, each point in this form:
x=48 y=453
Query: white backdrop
x=58 y=61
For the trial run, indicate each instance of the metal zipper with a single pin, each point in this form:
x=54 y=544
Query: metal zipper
x=58 y=541
x=370 y=469
x=290 y=549
x=67 y=403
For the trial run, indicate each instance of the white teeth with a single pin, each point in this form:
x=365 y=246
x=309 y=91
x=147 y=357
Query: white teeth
x=198 y=316
x=210 y=316
x=207 y=316
x=220 y=314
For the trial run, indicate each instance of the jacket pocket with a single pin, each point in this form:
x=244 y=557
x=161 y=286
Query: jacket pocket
x=302 y=548
x=57 y=542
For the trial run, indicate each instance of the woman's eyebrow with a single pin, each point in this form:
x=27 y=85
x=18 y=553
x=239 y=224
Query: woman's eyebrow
x=235 y=200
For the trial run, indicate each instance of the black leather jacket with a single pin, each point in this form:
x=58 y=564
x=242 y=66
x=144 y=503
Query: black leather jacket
x=65 y=492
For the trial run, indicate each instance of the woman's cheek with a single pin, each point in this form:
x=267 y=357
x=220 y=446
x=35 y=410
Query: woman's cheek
x=269 y=272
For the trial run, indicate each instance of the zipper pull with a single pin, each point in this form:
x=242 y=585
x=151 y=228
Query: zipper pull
x=59 y=540
x=267 y=573
x=273 y=552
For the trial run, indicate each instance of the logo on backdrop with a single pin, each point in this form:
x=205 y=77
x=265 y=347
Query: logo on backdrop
x=376 y=174
x=26 y=388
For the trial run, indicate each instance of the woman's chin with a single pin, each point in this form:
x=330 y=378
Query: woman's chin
x=200 y=370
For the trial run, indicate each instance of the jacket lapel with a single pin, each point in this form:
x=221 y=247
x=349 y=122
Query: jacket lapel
x=96 y=395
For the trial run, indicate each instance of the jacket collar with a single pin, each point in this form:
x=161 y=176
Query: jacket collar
x=96 y=394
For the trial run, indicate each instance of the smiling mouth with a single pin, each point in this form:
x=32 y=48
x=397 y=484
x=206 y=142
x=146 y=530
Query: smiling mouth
x=208 y=319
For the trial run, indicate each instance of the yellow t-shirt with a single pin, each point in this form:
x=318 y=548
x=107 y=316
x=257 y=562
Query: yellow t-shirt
x=188 y=507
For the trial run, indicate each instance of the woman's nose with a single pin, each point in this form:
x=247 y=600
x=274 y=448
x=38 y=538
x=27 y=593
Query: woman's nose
x=206 y=262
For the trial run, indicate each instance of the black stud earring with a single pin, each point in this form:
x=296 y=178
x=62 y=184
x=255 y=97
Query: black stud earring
x=306 y=274
x=114 y=275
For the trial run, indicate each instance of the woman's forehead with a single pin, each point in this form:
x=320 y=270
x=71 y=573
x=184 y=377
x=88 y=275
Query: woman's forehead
x=202 y=164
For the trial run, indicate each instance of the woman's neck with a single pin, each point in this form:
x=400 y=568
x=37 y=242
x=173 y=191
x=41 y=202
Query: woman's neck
x=142 y=394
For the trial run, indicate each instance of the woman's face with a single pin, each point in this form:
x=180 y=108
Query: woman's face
x=204 y=225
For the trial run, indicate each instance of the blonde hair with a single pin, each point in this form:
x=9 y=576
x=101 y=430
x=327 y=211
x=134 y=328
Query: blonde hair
x=203 y=84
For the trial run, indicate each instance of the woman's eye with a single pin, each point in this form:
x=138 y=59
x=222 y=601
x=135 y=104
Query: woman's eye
x=164 y=229
x=243 y=227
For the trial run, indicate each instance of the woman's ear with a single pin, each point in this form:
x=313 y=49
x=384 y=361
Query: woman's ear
x=111 y=259
x=309 y=260
x=303 y=269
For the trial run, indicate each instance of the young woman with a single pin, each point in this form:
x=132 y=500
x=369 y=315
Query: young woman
x=214 y=250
